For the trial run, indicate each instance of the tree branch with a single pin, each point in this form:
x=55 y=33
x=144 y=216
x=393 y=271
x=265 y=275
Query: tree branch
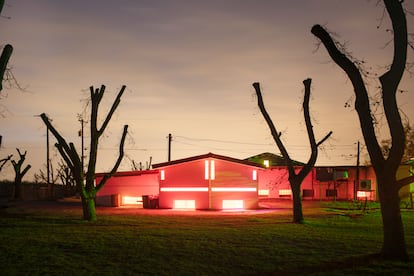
x=362 y=104
x=4 y=59
x=113 y=108
x=276 y=135
x=118 y=161
x=391 y=79
x=405 y=181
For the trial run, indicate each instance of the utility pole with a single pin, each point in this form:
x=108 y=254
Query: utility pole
x=47 y=156
x=169 y=146
x=82 y=144
x=47 y=153
x=356 y=185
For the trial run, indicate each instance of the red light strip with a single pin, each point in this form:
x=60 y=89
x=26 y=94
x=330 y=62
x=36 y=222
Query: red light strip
x=184 y=189
x=233 y=189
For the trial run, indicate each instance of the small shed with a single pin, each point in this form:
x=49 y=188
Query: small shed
x=208 y=181
x=127 y=188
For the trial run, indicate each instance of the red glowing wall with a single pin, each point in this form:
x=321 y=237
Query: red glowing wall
x=129 y=184
x=208 y=183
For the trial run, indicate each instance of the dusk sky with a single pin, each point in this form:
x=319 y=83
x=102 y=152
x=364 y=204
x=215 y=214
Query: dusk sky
x=189 y=66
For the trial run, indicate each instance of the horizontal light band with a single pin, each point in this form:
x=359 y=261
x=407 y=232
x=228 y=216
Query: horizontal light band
x=233 y=204
x=233 y=189
x=263 y=192
x=363 y=194
x=285 y=192
x=184 y=189
x=127 y=200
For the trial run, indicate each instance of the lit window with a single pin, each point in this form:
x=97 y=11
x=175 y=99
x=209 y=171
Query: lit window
x=363 y=194
x=184 y=204
x=162 y=175
x=285 y=192
x=266 y=163
x=254 y=176
x=233 y=204
x=209 y=170
x=263 y=192
x=131 y=200
x=206 y=170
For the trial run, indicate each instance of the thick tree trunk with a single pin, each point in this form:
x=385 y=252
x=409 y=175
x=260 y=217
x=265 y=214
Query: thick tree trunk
x=393 y=239
x=297 y=201
x=18 y=193
x=385 y=166
x=88 y=205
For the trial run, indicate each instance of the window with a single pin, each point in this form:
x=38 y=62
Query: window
x=184 y=204
x=254 y=175
x=233 y=204
x=266 y=163
x=131 y=200
x=263 y=192
x=162 y=175
x=206 y=170
x=209 y=170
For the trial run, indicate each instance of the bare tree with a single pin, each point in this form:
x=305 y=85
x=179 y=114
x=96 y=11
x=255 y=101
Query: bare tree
x=4 y=161
x=41 y=176
x=385 y=167
x=86 y=183
x=66 y=177
x=295 y=178
x=409 y=143
x=18 y=194
x=5 y=55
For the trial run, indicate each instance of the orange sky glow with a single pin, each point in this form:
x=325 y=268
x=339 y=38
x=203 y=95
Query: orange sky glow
x=189 y=66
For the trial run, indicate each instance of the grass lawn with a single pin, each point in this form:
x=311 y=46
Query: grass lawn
x=54 y=240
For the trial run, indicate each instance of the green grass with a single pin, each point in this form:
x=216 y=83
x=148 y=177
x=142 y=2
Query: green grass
x=58 y=242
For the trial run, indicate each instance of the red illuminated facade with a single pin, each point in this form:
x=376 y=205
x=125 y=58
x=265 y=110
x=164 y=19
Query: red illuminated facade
x=216 y=182
x=208 y=181
x=127 y=188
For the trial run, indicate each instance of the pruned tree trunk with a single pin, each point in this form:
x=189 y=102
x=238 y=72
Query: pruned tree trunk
x=295 y=185
x=295 y=179
x=18 y=189
x=86 y=184
x=385 y=167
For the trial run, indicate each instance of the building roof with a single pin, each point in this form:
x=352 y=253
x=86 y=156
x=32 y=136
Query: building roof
x=129 y=173
x=208 y=155
x=275 y=160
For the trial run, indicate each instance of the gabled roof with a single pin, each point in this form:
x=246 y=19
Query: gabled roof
x=208 y=155
x=275 y=160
